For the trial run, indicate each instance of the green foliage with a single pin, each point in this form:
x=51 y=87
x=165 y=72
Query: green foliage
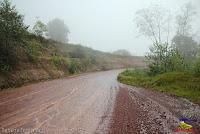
x=171 y=77
x=39 y=28
x=60 y=63
x=163 y=58
x=8 y=58
x=75 y=66
x=175 y=83
x=197 y=68
x=33 y=48
x=135 y=72
x=175 y=62
x=136 y=77
x=12 y=27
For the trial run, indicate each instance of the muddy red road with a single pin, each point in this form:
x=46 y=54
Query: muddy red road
x=69 y=105
x=91 y=103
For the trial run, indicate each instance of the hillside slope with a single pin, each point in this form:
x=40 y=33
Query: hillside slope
x=39 y=59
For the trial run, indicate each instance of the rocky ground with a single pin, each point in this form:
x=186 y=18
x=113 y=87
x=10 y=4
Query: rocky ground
x=143 y=111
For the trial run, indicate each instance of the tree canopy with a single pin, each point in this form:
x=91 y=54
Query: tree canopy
x=39 y=28
x=12 y=27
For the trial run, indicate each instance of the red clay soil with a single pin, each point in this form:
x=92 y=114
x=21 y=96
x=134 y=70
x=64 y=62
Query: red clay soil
x=141 y=111
x=124 y=115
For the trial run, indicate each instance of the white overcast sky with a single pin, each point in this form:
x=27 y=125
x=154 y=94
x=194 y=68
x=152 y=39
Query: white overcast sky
x=105 y=25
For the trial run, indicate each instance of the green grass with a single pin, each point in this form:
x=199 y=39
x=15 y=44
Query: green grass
x=175 y=83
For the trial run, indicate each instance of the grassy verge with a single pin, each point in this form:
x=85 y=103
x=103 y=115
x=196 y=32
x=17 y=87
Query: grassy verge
x=175 y=83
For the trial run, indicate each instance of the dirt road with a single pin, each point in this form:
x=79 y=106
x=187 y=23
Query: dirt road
x=91 y=103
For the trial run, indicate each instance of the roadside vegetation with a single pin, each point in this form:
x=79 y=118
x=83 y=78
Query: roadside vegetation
x=173 y=64
x=43 y=52
x=174 y=83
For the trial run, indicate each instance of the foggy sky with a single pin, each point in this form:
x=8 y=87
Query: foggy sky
x=105 y=25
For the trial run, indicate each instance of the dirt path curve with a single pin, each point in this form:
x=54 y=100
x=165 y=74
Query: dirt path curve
x=64 y=106
x=92 y=103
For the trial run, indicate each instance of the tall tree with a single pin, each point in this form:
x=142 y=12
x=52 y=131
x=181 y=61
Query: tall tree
x=183 y=40
x=58 y=30
x=184 y=20
x=12 y=27
x=186 y=46
x=154 y=22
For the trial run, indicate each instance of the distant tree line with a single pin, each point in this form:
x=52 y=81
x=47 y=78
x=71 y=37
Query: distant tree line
x=122 y=52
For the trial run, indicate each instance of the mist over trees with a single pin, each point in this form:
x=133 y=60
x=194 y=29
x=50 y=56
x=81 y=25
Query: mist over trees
x=122 y=52
x=57 y=30
x=166 y=55
x=186 y=46
x=183 y=40
x=154 y=23
x=184 y=20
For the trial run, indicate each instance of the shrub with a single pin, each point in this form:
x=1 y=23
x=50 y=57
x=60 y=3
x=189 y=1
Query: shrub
x=163 y=58
x=75 y=66
x=8 y=58
x=197 y=68
x=60 y=63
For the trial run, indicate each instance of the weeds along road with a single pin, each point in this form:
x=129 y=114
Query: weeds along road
x=91 y=103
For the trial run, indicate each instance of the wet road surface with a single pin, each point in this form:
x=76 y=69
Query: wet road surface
x=69 y=105
x=92 y=103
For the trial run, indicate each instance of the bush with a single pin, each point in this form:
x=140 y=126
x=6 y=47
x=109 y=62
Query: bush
x=8 y=58
x=75 y=66
x=60 y=63
x=163 y=58
x=197 y=68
